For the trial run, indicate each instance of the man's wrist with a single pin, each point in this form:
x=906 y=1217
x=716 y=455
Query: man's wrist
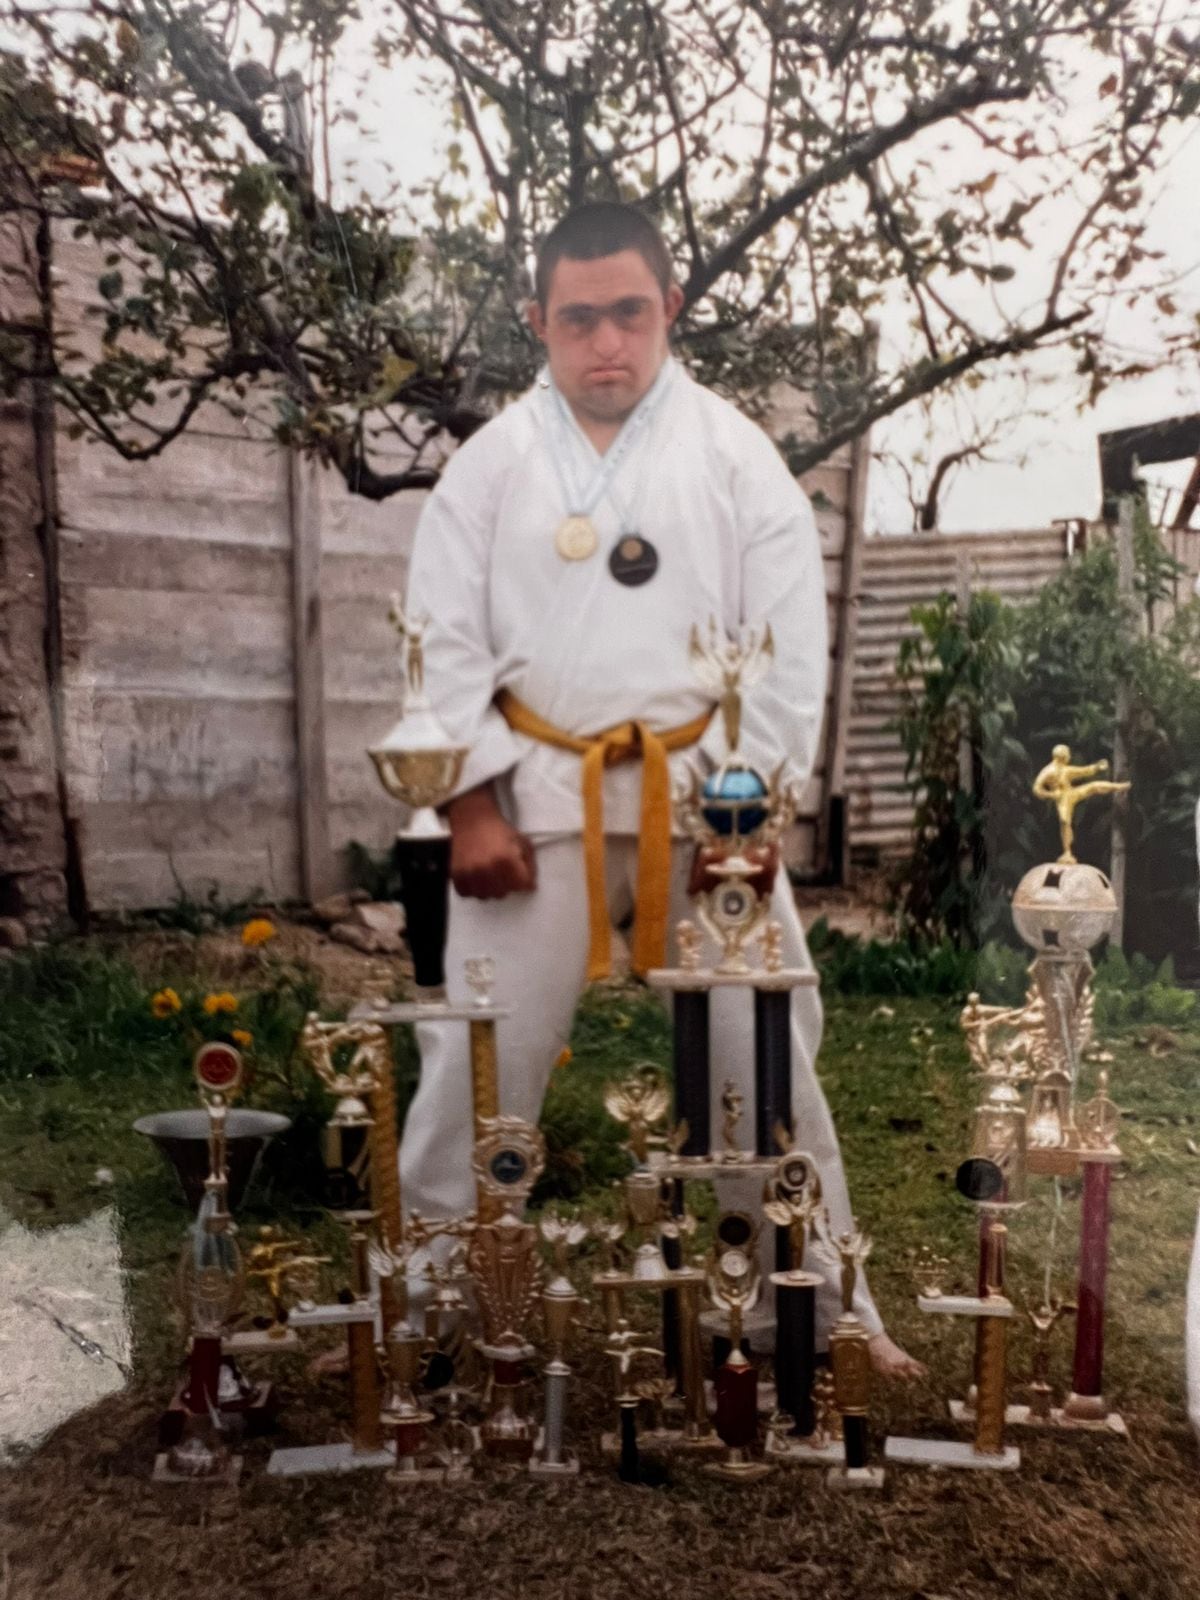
x=471 y=805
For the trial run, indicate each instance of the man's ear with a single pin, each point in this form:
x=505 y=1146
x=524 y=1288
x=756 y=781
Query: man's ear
x=673 y=302
x=536 y=318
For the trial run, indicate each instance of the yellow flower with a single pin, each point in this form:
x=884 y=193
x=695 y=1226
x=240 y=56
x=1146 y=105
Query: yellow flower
x=620 y=1020
x=165 y=1003
x=214 y=1003
x=564 y=1056
x=257 y=931
x=242 y=1037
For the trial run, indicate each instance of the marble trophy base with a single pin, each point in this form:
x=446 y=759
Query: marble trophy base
x=162 y=1473
x=389 y=1013
x=312 y=1459
x=854 y=1478
x=782 y=1448
x=568 y=1467
x=663 y=1441
x=335 y=1315
x=260 y=1342
x=1019 y=1416
x=965 y=1305
x=949 y=1453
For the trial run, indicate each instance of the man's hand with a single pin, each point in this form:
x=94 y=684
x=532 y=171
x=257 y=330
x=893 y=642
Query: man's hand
x=488 y=857
x=764 y=857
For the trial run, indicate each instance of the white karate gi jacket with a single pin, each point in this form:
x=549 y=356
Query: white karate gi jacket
x=735 y=538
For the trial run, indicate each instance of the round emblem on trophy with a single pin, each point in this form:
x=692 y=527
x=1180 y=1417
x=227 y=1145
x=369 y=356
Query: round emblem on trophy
x=735 y=1230
x=793 y=1175
x=979 y=1179
x=734 y=1264
x=509 y=1167
x=218 y=1067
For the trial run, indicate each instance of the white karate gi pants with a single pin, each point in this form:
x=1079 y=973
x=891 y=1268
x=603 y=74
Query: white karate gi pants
x=539 y=942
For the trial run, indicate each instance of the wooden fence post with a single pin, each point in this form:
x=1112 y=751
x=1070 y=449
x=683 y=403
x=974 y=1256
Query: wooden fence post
x=312 y=777
x=1120 y=758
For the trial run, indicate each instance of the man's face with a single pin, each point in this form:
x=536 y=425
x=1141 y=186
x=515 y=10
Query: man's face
x=605 y=331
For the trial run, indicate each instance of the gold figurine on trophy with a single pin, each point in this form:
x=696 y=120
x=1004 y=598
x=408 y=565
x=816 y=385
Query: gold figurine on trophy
x=1066 y=787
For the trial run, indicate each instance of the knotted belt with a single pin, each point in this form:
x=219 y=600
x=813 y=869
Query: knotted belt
x=627 y=741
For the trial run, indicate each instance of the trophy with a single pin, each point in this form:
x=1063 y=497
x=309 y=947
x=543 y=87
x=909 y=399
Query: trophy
x=211 y=1283
x=733 y=1284
x=560 y=1302
x=1043 y=1319
x=850 y=1357
x=504 y=1262
x=419 y=765
x=792 y=1201
x=284 y=1269
x=621 y=1348
x=983 y=1182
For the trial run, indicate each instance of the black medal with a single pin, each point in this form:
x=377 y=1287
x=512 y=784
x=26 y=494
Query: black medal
x=633 y=560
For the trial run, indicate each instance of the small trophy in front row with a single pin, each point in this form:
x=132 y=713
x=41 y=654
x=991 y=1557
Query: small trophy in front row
x=733 y=1284
x=850 y=1356
x=560 y=1302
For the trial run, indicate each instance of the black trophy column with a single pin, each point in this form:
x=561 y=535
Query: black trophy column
x=795 y=1354
x=854 y=1436
x=692 y=1069
x=672 y=1249
x=772 y=1068
x=424 y=868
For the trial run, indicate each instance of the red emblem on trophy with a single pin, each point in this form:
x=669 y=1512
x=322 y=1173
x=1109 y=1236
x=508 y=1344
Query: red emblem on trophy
x=218 y=1069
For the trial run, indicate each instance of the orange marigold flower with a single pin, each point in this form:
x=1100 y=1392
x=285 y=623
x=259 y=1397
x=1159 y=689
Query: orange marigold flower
x=257 y=931
x=242 y=1037
x=165 y=1003
x=215 y=1003
x=564 y=1056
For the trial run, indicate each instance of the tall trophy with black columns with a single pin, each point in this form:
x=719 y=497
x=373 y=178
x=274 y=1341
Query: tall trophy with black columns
x=419 y=764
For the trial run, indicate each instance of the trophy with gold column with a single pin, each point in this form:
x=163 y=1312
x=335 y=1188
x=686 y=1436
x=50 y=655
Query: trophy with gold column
x=419 y=764
x=850 y=1357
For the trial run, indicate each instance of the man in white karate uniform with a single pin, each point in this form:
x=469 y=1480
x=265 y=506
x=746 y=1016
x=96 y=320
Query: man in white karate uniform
x=562 y=561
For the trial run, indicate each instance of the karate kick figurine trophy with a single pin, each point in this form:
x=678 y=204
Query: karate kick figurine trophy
x=211 y=1283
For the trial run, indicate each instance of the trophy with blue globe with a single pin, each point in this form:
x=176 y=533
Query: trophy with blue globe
x=735 y=815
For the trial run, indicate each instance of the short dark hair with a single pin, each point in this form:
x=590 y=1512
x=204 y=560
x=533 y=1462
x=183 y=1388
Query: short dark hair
x=601 y=228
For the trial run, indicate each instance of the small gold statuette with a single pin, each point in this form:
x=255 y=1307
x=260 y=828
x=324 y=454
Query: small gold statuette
x=576 y=538
x=727 y=667
x=641 y=1101
x=1043 y=1320
x=732 y=1102
x=1066 y=786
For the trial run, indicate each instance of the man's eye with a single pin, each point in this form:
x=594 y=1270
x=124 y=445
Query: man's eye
x=579 y=319
x=629 y=313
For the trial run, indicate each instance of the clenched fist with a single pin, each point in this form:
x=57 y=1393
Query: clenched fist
x=488 y=857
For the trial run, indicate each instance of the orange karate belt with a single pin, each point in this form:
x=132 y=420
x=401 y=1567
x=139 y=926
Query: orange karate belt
x=627 y=741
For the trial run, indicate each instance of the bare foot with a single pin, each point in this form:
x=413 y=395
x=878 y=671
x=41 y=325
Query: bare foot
x=333 y=1361
x=889 y=1361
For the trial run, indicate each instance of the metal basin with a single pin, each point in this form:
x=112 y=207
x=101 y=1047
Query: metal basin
x=182 y=1138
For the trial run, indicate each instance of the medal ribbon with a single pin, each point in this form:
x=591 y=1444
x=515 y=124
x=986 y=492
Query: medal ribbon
x=627 y=741
x=582 y=502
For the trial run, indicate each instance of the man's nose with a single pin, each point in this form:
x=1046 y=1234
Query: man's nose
x=607 y=339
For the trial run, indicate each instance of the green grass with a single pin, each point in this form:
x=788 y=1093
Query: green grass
x=1084 y=1518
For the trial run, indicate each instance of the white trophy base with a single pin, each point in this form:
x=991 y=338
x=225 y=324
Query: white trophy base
x=311 y=1459
x=1017 y=1416
x=162 y=1473
x=568 y=1467
x=803 y=1452
x=259 y=1342
x=854 y=1478
x=965 y=1305
x=949 y=1453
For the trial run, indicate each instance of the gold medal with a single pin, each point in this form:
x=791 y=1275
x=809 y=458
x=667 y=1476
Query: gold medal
x=576 y=538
